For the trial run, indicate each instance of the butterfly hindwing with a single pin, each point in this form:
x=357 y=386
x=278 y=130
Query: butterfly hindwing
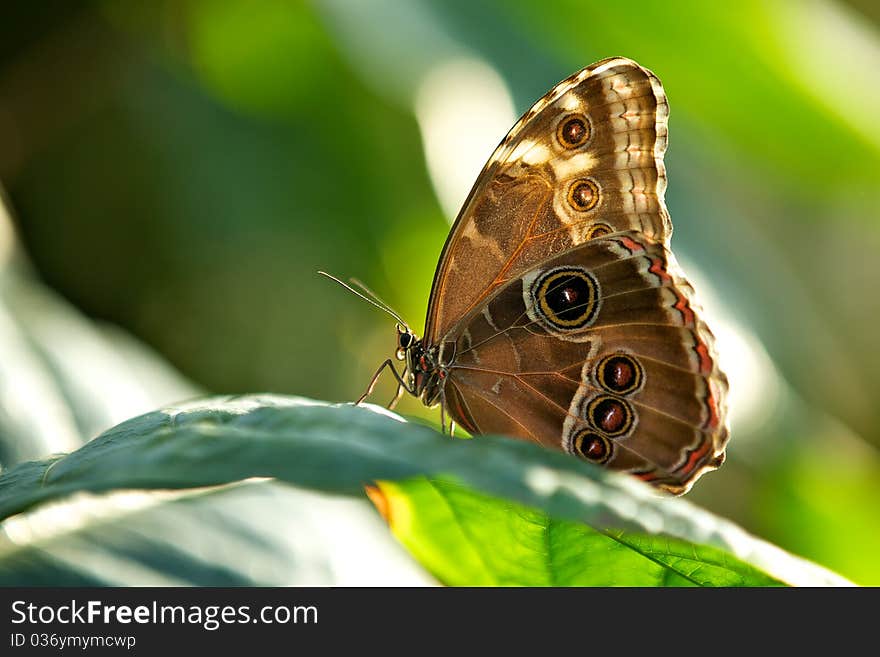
x=600 y=351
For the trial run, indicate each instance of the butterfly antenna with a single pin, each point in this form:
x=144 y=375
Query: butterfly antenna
x=374 y=301
x=360 y=284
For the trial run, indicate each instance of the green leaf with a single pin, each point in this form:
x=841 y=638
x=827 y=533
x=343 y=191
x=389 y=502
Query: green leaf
x=339 y=449
x=466 y=538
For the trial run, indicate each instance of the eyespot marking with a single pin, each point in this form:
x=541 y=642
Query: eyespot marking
x=598 y=230
x=573 y=131
x=610 y=415
x=592 y=446
x=566 y=298
x=583 y=195
x=620 y=373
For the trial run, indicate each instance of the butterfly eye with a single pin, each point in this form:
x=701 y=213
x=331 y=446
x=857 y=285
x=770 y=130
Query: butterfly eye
x=619 y=373
x=405 y=340
x=610 y=415
x=592 y=446
x=583 y=195
x=573 y=131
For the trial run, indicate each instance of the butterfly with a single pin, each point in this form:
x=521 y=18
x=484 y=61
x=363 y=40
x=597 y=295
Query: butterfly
x=558 y=313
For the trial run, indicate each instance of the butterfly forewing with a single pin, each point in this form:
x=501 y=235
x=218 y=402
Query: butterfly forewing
x=584 y=161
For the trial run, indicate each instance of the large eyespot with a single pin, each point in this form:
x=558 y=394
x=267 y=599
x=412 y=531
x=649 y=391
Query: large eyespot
x=610 y=415
x=620 y=373
x=592 y=446
x=573 y=131
x=583 y=195
x=567 y=297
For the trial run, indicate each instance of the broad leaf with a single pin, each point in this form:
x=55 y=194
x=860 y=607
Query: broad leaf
x=339 y=449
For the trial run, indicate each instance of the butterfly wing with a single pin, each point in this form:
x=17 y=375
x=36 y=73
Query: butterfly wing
x=585 y=160
x=600 y=352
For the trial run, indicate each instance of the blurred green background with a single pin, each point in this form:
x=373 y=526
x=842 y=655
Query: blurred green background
x=179 y=171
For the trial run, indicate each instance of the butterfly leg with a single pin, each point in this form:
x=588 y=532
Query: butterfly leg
x=396 y=397
x=401 y=384
x=442 y=394
x=443 y=415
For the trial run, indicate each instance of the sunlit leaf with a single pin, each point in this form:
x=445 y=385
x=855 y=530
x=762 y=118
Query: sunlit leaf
x=467 y=538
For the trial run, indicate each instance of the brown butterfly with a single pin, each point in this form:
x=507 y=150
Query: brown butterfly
x=558 y=313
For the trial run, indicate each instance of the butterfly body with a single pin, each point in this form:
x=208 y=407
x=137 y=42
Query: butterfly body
x=558 y=313
x=425 y=373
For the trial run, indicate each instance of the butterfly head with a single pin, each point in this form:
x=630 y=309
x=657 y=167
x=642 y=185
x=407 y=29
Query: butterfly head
x=411 y=350
x=406 y=340
x=423 y=374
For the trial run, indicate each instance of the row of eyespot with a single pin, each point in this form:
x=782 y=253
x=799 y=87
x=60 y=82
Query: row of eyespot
x=618 y=373
x=609 y=415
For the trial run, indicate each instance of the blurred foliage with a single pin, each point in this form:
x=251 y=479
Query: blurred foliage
x=180 y=171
